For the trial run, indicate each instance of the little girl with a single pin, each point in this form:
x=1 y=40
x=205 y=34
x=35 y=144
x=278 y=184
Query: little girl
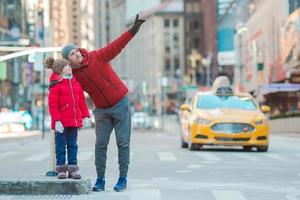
x=67 y=108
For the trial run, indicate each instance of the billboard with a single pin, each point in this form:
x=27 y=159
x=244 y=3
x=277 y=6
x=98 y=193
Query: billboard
x=226 y=54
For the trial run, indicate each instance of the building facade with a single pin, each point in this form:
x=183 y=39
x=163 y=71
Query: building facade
x=194 y=70
x=157 y=54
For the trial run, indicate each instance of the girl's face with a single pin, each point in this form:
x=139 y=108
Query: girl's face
x=67 y=70
x=75 y=58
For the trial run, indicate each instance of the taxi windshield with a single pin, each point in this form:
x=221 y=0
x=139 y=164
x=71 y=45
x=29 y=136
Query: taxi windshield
x=211 y=101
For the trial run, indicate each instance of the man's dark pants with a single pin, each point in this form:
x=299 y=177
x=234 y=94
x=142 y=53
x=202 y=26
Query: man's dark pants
x=117 y=117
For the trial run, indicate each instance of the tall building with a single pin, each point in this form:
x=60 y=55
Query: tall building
x=230 y=15
x=117 y=26
x=209 y=15
x=194 y=71
x=65 y=22
x=156 y=54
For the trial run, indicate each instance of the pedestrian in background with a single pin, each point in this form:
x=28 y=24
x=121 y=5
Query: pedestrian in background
x=109 y=94
x=68 y=111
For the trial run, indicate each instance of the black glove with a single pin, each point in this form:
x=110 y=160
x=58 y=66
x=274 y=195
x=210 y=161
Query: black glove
x=136 y=26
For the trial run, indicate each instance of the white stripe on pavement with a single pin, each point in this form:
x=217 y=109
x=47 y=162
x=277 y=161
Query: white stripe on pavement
x=228 y=195
x=194 y=166
x=246 y=156
x=38 y=157
x=274 y=156
x=167 y=156
x=183 y=171
x=293 y=196
x=209 y=156
x=161 y=179
x=85 y=155
x=145 y=194
x=7 y=154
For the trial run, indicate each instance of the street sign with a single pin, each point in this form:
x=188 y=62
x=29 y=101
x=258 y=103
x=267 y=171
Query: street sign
x=188 y=87
x=3 y=71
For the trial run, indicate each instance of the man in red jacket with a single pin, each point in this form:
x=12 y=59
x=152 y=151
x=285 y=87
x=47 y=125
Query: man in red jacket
x=109 y=94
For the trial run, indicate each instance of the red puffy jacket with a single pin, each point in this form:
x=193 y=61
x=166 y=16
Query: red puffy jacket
x=66 y=102
x=98 y=78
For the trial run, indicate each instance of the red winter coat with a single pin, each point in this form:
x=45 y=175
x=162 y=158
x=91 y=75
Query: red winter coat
x=98 y=78
x=66 y=102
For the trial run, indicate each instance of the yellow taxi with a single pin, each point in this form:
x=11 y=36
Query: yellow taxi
x=224 y=118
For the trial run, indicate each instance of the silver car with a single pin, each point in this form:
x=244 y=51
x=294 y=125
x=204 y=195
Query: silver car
x=141 y=120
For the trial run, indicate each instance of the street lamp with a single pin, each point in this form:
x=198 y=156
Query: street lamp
x=163 y=84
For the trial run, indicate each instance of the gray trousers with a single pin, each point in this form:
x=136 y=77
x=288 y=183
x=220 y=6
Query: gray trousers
x=119 y=118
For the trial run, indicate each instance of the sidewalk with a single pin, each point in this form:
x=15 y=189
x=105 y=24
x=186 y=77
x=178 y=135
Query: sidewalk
x=285 y=126
x=22 y=134
x=27 y=159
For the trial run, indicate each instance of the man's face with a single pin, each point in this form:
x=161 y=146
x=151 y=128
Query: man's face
x=75 y=58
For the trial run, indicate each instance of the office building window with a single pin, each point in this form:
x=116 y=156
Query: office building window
x=175 y=22
x=167 y=23
x=167 y=65
x=196 y=25
x=167 y=49
x=192 y=7
x=175 y=37
x=196 y=43
x=176 y=63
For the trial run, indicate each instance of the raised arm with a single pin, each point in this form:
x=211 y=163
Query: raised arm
x=113 y=49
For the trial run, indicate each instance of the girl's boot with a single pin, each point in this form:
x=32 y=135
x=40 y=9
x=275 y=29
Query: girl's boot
x=73 y=172
x=61 y=171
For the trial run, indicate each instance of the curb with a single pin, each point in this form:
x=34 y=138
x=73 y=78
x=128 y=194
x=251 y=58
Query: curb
x=45 y=187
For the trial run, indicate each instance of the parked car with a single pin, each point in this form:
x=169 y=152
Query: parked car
x=141 y=120
x=15 y=120
x=224 y=118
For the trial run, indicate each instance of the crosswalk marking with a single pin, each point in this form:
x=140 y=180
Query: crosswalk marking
x=194 y=166
x=209 y=156
x=38 y=157
x=274 y=156
x=7 y=154
x=183 y=171
x=161 y=179
x=145 y=194
x=228 y=195
x=85 y=155
x=167 y=156
x=246 y=156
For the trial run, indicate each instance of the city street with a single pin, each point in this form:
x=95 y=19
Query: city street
x=160 y=169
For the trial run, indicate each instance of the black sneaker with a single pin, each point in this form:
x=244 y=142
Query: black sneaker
x=99 y=185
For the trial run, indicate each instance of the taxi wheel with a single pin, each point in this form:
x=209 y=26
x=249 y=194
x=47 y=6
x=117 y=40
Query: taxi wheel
x=184 y=144
x=262 y=149
x=192 y=147
x=247 y=148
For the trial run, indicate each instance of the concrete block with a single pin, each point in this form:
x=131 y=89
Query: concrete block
x=45 y=186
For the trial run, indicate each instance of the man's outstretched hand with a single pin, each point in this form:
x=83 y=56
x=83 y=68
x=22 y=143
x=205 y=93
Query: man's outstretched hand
x=136 y=26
